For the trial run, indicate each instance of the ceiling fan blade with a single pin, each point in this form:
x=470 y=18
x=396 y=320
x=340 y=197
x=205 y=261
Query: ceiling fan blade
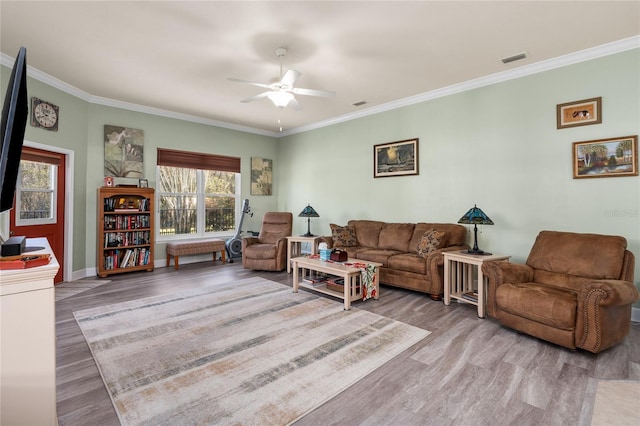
x=290 y=77
x=253 y=98
x=312 y=92
x=293 y=103
x=253 y=83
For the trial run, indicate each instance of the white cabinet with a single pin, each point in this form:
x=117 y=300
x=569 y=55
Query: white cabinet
x=28 y=343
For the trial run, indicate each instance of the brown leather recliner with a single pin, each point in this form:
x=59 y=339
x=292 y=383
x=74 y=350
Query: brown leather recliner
x=268 y=251
x=576 y=290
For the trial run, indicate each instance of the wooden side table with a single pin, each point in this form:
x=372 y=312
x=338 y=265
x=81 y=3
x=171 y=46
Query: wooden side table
x=459 y=267
x=294 y=247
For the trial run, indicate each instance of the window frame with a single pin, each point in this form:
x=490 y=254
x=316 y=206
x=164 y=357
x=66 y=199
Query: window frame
x=53 y=194
x=200 y=206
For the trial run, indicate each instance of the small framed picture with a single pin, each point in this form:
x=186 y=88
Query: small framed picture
x=579 y=113
x=108 y=181
x=395 y=158
x=143 y=183
x=606 y=157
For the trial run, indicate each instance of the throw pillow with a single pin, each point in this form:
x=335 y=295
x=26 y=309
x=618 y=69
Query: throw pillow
x=343 y=236
x=431 y=240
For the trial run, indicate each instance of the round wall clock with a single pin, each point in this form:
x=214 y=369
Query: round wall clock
x=44 y=114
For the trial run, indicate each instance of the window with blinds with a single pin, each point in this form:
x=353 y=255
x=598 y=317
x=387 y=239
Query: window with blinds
x=198 y=194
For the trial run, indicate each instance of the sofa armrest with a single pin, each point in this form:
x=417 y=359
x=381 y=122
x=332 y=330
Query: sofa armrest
x=604 y=313
x=435 y=267
x=328 y=240
x=498 y=273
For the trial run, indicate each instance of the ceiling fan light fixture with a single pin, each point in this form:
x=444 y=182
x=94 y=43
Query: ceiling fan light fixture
x=280 y=98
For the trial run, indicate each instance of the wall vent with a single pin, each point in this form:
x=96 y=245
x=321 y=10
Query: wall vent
x=359 y=103
x=514 y=58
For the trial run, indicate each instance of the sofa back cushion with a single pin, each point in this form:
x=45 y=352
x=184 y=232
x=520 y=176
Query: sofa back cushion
x=582 y=255
x=455 y=235
x=395 y=236
x=367 y=232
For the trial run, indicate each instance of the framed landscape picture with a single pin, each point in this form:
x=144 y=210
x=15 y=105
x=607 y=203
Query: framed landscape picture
x=579 y=113
x=395 y=158
x=606 y=157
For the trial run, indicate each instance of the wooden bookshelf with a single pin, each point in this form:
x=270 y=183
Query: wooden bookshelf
x=125 y=240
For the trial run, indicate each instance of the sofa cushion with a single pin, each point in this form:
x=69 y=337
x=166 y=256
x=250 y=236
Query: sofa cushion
x=377 y=255
x=408 y=262
x=546 y=305
x=455 y=234
x=395 y=236
x=367 y=232
x=431 y=241
x=343 y=236
x=583 y=255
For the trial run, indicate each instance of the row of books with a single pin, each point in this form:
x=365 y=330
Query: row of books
x=124 y=239
x=126 y=258
x=330 y=281
x=127 y=222
x=471 y=296
x=117 y=204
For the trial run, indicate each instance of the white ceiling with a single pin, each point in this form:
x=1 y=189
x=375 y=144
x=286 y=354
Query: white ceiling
x=176 y=56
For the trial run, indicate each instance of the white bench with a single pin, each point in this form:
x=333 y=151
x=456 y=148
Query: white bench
x=186 y=247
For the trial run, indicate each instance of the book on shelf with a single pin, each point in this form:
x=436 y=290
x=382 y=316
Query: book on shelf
x=314 y=279
x=471 y=296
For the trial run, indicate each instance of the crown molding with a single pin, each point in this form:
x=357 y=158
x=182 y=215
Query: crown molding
x=178 y=116
x=535 y=68
x=526 y=70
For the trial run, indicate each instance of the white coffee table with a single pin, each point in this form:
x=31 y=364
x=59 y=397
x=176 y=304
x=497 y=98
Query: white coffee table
x=340 y=269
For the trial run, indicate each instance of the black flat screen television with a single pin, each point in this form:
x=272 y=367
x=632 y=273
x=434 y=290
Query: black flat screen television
x=14 y=123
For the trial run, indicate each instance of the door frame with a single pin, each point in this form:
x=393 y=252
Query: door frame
x=67 y=268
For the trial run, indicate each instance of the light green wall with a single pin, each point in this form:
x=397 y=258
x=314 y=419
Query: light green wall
x=71 y=135
x=497 y=147
x=161 y=132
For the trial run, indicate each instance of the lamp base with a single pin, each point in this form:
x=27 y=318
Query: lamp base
x=478 y=252
x=308 y=234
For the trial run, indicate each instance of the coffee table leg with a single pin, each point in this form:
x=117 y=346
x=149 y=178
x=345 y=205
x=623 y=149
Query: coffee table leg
x=295 y=276
x=347 y=291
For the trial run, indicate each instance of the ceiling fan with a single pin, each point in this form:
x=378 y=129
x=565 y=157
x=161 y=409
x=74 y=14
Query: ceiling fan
x=281 y=91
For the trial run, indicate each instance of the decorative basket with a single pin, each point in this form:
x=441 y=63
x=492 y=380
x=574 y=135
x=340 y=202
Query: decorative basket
x=339 y=255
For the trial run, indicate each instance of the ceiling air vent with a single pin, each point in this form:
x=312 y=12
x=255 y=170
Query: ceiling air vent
x=514 y=58
x=359 y=103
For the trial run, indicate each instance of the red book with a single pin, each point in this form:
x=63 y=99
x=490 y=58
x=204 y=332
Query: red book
x=24 y=262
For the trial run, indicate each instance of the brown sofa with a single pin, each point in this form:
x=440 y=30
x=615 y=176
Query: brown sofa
x=575 y=290
x=395 y=245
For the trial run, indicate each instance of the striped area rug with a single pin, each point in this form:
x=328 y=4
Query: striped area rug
x=248 y=352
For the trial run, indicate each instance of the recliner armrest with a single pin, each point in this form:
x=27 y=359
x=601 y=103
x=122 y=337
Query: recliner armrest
x=610 y=292
x=603 y=313
x=498 y=273
x=247 y=241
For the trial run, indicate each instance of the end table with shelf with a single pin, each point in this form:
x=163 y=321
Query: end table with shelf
x=459 y=267
x=294 y=247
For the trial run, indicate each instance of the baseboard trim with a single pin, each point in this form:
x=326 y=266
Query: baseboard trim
x=635 y=314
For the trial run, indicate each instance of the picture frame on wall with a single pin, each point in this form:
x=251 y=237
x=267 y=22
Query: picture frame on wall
x=613 y=157
x=261 y=176
x=579 y=113
x=396 y=158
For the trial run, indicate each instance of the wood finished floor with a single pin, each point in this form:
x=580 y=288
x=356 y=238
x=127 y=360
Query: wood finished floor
x=468 y=371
